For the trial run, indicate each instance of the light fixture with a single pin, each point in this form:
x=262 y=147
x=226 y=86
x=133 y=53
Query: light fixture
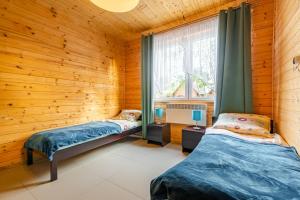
x=116 y=5
x=159 y=112
x=197 y=117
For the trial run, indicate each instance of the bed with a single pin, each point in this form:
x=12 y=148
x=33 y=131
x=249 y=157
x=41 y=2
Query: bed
x=224 y=166
x=62 y=143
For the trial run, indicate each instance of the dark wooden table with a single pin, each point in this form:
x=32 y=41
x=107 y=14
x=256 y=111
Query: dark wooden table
x=191 y=137
x=158 y=133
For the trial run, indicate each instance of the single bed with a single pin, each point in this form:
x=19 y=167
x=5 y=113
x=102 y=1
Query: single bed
x=62 y=143
x=226 y=165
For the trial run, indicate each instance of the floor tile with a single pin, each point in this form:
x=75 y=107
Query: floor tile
x=108 y=191
x=122 y=170
x=16 y=194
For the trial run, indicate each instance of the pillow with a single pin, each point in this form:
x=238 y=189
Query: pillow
x=250 y=124
x=130 y=115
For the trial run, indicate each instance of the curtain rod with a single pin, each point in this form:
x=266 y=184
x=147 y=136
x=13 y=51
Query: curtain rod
x=184 y=24
x=194 y=21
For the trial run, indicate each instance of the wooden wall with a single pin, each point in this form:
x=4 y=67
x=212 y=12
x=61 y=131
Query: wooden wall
x=56 y=69
x=286 y=85
x=133 y=96
x=262 y=43
x=262 y=55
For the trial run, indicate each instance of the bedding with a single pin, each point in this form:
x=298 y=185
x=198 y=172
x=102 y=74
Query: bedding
x=276 y=139
x=250 y=124
x=129 y=115
x=125 y=124
x=223 y=167
x=50 y=141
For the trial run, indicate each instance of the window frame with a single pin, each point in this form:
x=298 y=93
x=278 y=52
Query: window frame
x=188 y=91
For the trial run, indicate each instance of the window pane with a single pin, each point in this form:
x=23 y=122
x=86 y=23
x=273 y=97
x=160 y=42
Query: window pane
x=204 y=53
x=169 y=77
x=204 y=66
x=183 y=57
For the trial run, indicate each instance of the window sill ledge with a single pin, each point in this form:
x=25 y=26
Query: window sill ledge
x=187 y=101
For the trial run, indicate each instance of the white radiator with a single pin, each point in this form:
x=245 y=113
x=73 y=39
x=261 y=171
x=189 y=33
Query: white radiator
x=182 y=113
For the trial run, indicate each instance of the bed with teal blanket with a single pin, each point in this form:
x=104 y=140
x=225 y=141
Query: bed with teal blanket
x=223 y=167
x=62 y=143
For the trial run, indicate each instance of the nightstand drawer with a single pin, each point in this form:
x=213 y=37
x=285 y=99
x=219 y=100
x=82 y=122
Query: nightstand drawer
x=190 y=140
x=159 y=133
x=191 y=137
x=154 y=133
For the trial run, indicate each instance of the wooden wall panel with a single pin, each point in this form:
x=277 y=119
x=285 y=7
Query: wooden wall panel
x=262 y=55
x=56 y=69
x=286 y=81
x=262 y=44
x=133 y=80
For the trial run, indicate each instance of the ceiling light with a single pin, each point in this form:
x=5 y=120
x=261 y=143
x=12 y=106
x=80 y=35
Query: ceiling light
x=116 y=5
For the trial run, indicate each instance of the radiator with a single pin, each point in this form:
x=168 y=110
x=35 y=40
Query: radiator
x=182 y=113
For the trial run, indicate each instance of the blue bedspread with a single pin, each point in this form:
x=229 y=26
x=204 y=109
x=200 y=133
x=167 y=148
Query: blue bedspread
x=48 y=142
x=222 y=167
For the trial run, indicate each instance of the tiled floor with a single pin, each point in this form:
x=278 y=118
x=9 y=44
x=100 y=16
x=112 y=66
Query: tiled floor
x=122 y=170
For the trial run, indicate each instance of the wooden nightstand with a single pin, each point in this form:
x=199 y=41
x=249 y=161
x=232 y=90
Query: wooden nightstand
x=191 y=137
x=158 y=133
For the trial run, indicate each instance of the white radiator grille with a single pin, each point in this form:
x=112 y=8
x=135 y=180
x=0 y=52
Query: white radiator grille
x=182 y=113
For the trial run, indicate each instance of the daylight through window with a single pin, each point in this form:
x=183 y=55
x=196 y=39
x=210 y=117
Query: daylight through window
x=184 y=61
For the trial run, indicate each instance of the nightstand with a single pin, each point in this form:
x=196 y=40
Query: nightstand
x=158 y=133
x=191 y=137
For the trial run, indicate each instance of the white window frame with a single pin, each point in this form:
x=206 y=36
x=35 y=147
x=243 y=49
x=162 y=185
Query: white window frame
x=188 y=92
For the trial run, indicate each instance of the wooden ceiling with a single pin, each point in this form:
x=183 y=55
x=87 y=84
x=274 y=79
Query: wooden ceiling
x=147 y=15
x=126 y=26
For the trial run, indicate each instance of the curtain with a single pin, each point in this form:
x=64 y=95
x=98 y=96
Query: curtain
x=234 y=78
x=186 y=52
x=147 y=82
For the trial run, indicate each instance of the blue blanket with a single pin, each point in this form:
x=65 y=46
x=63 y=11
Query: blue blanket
x=222 y=167
x=48 y=142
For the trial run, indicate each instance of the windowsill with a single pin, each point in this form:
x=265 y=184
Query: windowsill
x=184 y=100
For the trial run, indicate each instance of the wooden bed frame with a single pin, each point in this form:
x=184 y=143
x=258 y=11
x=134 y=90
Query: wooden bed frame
x=80 y=148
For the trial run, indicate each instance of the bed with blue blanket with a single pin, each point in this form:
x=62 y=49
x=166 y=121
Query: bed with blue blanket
x=62 y=143
x=224 y=167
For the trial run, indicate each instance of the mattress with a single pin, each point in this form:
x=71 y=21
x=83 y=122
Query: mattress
x=224 y=167
x=50 y=141
x=276 y=139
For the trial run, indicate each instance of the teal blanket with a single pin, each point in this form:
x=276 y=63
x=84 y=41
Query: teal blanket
x=222 y=167
x=48 y=142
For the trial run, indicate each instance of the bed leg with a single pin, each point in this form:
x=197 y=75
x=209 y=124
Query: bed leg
x=53 y=170
x=29 y=156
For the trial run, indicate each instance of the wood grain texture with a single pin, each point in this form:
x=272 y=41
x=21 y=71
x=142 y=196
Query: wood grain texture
x=56 y=69
x=148 y=14
x=262 y=48
x=286 y=81
x=127 y=26
x=133 y=73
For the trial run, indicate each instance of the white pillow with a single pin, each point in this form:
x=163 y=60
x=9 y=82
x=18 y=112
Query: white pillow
x=250 y=124
x=130 y=115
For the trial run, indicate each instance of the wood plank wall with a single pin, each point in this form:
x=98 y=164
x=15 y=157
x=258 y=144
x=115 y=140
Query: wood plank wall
x=262 y=45
x=133 y=96
x=56 y=69
x=262 y=55
x=286 y=83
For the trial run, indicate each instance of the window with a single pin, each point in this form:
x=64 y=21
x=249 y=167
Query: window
x=184 y=61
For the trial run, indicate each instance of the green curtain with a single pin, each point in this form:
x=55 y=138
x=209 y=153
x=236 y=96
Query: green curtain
x=234 y=77
x=147 y=79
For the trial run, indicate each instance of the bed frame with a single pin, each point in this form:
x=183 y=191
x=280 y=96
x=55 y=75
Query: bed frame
x=80 y=148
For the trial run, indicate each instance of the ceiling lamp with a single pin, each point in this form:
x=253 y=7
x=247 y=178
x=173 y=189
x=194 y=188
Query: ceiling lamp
x=116 y=5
